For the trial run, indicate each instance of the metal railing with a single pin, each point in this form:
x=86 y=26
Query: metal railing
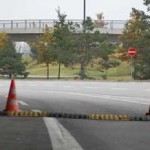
x=41 y=23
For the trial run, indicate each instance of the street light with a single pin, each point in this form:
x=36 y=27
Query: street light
x=84 y=9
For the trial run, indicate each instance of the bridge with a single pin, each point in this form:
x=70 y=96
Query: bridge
x=28 y=30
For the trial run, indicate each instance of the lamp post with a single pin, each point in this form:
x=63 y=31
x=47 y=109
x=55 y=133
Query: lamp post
x=84 y=9
x=82 y=69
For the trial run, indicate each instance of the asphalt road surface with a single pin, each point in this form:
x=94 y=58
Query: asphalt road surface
x=30 y=133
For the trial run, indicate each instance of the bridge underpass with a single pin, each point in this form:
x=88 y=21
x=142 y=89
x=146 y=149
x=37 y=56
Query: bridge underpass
x=29 y=30
x=31 y=37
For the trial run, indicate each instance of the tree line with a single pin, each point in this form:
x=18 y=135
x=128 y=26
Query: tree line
x=61 y=44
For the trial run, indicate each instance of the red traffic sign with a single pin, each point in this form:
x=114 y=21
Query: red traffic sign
x=131 y=52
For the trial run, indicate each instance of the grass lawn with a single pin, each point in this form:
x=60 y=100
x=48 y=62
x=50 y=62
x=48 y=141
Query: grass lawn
x=122 y=72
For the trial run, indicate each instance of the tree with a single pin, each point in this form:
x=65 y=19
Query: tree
x=136 y=34
x=99 y=23
x=10 y=60
x=41 y=49
x=63 y=41
x=3 y=39
x=134 y=29
x=34 y=52
x=104 y=56
x=142 y=62
x=147 y=3
x=86 y=42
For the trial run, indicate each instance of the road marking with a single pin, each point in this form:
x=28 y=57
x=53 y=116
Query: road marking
x=49 y=85
x=115 y=98
x=92 y=87
x=67 y=86
x=61 y=139
x=124 y=100
x=34 y=110
x=22 y=103
x=122 y=89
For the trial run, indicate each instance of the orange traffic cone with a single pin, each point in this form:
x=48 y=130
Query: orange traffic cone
x=148 y=113
x=12 y=104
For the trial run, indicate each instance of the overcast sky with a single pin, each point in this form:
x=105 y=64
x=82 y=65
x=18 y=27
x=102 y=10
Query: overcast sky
x=46 y=9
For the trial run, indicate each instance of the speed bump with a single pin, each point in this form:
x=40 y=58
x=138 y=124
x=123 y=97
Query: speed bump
x=105 y=117
x=139 y=118
x=68 y=115
x=108 y=117
x=27 y=114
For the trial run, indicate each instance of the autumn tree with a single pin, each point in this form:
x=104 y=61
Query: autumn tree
x=136 y=34
x=41 y=49
x=100 y=23
x=3 y=39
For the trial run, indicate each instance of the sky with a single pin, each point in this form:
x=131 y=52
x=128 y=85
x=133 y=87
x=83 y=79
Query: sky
x=46 y=9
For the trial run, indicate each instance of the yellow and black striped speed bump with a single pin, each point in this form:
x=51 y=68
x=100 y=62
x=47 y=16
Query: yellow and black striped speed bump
x=27 y=114
x=110 y=117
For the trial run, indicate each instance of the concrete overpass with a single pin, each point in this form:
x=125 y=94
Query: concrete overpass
x=28 y=30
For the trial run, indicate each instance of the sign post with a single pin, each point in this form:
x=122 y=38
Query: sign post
x=131 y=53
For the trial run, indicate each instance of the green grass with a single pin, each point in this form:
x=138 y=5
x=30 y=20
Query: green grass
x=122 y=72
x=42 y=70
x=122 y=69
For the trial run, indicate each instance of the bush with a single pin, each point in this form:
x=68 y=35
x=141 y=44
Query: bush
x=142 y=71
x=23 y=75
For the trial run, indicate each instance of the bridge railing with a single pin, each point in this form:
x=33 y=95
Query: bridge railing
x=40 y=24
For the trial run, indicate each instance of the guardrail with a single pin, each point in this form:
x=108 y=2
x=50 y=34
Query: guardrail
x=31 y=24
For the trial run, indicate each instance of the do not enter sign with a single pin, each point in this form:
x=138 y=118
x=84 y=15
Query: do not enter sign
x=131 y=52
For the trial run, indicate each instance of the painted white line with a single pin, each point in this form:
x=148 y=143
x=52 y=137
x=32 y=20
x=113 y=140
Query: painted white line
x=121 y=89
x=67 y=86
x=92 y=87
x=22 y=103
x=124 y=100
x=34 y=110
x=49 y=85
x=115 y=98
x=61 y=138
